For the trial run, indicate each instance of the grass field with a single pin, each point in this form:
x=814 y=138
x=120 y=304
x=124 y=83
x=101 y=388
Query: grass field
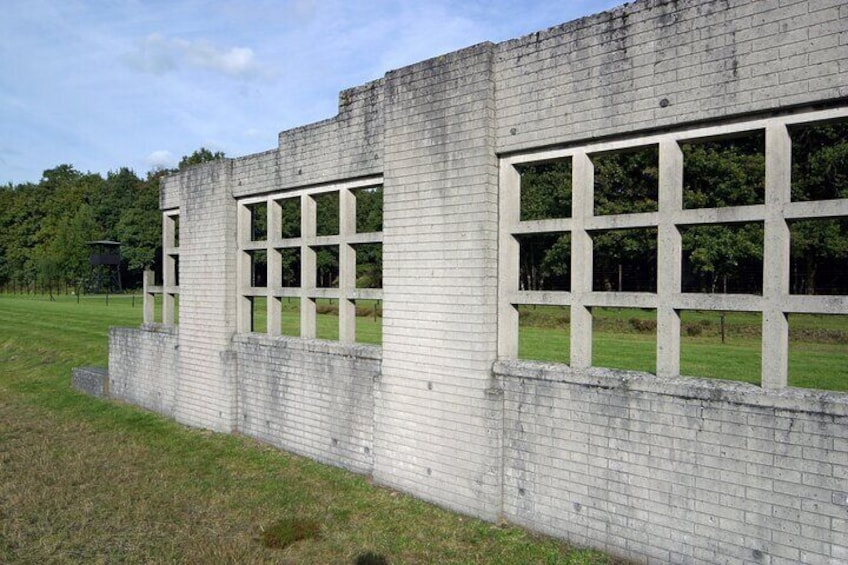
x=625 y=338
x=89 y=481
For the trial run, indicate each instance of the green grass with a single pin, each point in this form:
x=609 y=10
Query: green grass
x=90 y=481
x=369 y=328
x=625 y=338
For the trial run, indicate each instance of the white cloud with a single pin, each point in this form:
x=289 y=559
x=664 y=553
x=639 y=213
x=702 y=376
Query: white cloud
x=160 y=54
x=160 y=159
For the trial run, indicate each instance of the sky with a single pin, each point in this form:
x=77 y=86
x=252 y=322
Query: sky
x=105 y=84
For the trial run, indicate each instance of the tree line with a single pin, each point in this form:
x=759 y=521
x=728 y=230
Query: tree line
x=46 y=227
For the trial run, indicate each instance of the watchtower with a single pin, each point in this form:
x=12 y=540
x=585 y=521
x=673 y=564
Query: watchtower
x=105 y=260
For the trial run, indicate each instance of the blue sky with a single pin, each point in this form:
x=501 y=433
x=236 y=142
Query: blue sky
x=102 y=84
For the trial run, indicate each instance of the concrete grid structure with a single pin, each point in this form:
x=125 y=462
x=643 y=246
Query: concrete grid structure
x=655 y=468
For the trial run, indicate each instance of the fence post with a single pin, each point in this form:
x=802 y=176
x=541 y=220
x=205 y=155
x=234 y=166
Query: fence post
x=147 y=282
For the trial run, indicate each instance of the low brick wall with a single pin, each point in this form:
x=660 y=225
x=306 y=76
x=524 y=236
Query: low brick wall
x=143 y=367
x=314 y=398
x=675 y=470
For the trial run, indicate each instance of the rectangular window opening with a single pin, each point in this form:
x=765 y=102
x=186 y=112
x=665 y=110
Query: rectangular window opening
x=290 y=316
x=175 y=299
x=175 y=270
x=721 y=345
x=174 y=228
x=624 y=338
x=544 y=261
x=626 y=182
x=258 y=314
x=369 y=321
x=818 y=261
x=327 y=319
x=258 y=221
x=290 y=217
x=290 y=267
x=369 y=209
x=326 y=266
x=729 y=171
x=819 y=160
x=723 y=258
x=158 y=300
x=818 y=351
x=625 y=260
x=258 y=268
x=545 y=190
x=369 y=265
x=544 y=332
x=327 y=213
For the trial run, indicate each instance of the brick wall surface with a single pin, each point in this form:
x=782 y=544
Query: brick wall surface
x=437 y=430
x=676 y=470
x=143 y=367
x=310 y=397
x=653 y=469
x=609 y=74
x=206 y=387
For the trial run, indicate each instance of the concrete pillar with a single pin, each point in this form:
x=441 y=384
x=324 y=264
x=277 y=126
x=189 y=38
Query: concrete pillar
x=205 y=395
x=669 y=258
x=583 y=190
x=438 y=412
x=775 y=356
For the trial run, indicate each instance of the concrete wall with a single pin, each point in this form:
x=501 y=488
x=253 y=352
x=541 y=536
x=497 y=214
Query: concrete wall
x=437 y=432
x=311 y=397
x=208 y=276
x=609 y=74
x=144 y=367
x=675 y=470
x=656 y=469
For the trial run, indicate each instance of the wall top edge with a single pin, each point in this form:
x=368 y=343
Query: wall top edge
x=358 y=350
x=151 y=328
x=829 y=403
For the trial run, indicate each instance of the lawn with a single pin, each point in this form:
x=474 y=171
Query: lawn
x=625 y=338
x=90 y=481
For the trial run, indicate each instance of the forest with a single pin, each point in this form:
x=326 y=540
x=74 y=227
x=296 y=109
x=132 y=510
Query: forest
x=45 y=227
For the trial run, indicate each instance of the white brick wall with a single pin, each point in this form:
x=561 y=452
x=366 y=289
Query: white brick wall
x=606 y=74
x=310 y=397
x=206 y=385
x=675 y=470
x=143 y=367
x=437 y=431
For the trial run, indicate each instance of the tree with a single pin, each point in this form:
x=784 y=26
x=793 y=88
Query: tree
x=545 y=192
x=71 y=245
x=819 y=248
x=626 y=183
x=201 y=155
x=716 y=174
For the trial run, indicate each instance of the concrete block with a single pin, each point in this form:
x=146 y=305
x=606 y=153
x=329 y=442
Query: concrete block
x=93 y=381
